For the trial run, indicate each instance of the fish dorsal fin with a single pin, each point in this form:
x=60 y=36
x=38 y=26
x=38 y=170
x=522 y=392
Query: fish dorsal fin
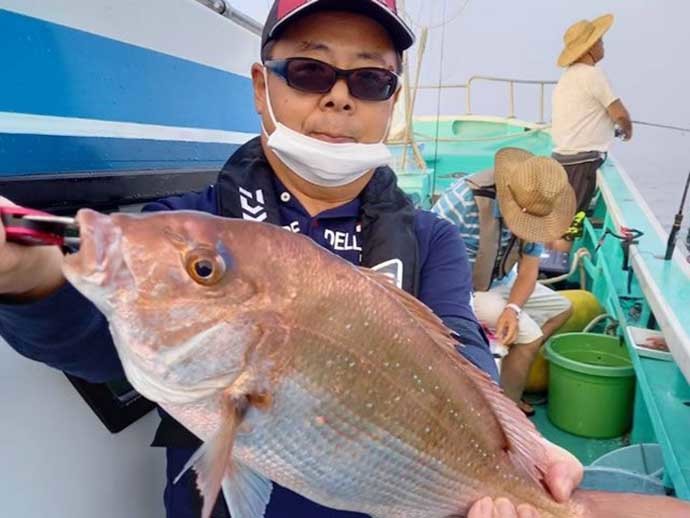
x=523 y=442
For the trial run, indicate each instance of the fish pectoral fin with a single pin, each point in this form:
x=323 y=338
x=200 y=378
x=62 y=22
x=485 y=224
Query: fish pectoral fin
x=213 y=460
x=246 y=492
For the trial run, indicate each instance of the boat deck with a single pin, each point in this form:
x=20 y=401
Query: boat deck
x=586 y=450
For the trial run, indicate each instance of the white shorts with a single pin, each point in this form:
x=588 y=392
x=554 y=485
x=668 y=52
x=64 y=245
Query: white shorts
x=542 y=306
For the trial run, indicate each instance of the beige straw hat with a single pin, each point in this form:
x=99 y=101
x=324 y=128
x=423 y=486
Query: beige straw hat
x=534 y=195
x=581 y=36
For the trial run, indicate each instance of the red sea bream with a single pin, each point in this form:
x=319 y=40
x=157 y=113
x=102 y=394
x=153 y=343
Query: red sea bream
x=296 y=367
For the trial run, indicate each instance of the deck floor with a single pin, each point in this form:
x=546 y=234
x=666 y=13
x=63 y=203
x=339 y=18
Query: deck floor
x=587 y=450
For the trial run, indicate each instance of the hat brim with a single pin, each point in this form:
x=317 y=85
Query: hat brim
x=572 y=54
x=539 y=229
x=526 y=226
x=402 y=36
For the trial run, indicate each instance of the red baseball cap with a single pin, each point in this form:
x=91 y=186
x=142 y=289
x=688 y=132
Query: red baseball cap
x=384 y=12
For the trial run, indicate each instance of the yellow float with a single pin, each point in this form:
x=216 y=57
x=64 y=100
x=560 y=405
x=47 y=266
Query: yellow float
x=585 y=309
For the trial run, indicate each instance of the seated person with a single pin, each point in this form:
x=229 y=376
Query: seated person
x=504 y=215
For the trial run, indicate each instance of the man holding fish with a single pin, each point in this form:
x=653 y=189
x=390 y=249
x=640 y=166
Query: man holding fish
x=326 y=101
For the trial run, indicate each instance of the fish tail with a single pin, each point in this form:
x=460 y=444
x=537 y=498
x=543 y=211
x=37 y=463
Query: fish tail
x=602 y=504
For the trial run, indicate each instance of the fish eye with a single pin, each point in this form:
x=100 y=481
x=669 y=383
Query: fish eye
x=205 y=267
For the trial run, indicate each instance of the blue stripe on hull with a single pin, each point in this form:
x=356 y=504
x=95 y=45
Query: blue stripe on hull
x=50 y=69
x=35 y=154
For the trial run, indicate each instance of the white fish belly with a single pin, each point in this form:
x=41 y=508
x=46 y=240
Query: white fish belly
x=315 y=446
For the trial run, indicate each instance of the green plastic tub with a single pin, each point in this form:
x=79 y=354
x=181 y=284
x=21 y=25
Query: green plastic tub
x=591 y=385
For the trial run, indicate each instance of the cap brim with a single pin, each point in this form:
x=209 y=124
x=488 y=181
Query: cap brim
x=402 y=36
x=570 y=55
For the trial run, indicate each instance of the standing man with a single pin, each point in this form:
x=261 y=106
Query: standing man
x=585 y=110
x=504 y=215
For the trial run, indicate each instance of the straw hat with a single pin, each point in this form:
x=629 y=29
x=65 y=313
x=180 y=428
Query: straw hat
x=534 y=195
x=581 y=36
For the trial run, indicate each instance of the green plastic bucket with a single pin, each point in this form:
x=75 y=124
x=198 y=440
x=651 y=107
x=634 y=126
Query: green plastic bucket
x=591 y=384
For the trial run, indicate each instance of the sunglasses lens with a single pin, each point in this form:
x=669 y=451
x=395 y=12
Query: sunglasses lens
x=310 y=75
x=313 y=76
x=372 y=84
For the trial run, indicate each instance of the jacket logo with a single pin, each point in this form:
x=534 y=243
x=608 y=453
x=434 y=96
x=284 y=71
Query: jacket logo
x=253 y=205
x=393 y=269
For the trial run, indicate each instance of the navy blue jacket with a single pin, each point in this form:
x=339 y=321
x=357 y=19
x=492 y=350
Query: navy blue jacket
x=67 y=332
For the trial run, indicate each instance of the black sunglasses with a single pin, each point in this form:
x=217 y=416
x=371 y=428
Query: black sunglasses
x=316 y=77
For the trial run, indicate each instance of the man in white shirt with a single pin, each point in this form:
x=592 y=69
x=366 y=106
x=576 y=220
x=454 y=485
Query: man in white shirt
x=585 y=110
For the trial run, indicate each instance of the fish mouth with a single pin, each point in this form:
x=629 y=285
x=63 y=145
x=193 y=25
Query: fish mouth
x=99 y=239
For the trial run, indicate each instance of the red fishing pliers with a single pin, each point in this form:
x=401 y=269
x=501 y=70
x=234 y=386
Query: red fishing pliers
x=31 y=227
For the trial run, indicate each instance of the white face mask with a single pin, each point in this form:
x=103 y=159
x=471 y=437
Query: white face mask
x=323 y=163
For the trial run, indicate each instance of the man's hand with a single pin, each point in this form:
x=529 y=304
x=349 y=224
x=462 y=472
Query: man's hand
x=28 y=272
x=619 y=114
x=563 y=474
x=501 y=508
x=507 y=327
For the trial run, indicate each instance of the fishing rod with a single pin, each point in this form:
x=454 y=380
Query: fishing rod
x=663 y=126
x=671 y=244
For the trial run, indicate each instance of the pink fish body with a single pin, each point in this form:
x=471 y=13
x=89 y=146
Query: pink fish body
x=296 y=367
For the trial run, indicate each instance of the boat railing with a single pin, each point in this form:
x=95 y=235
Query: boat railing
x=511 y=82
